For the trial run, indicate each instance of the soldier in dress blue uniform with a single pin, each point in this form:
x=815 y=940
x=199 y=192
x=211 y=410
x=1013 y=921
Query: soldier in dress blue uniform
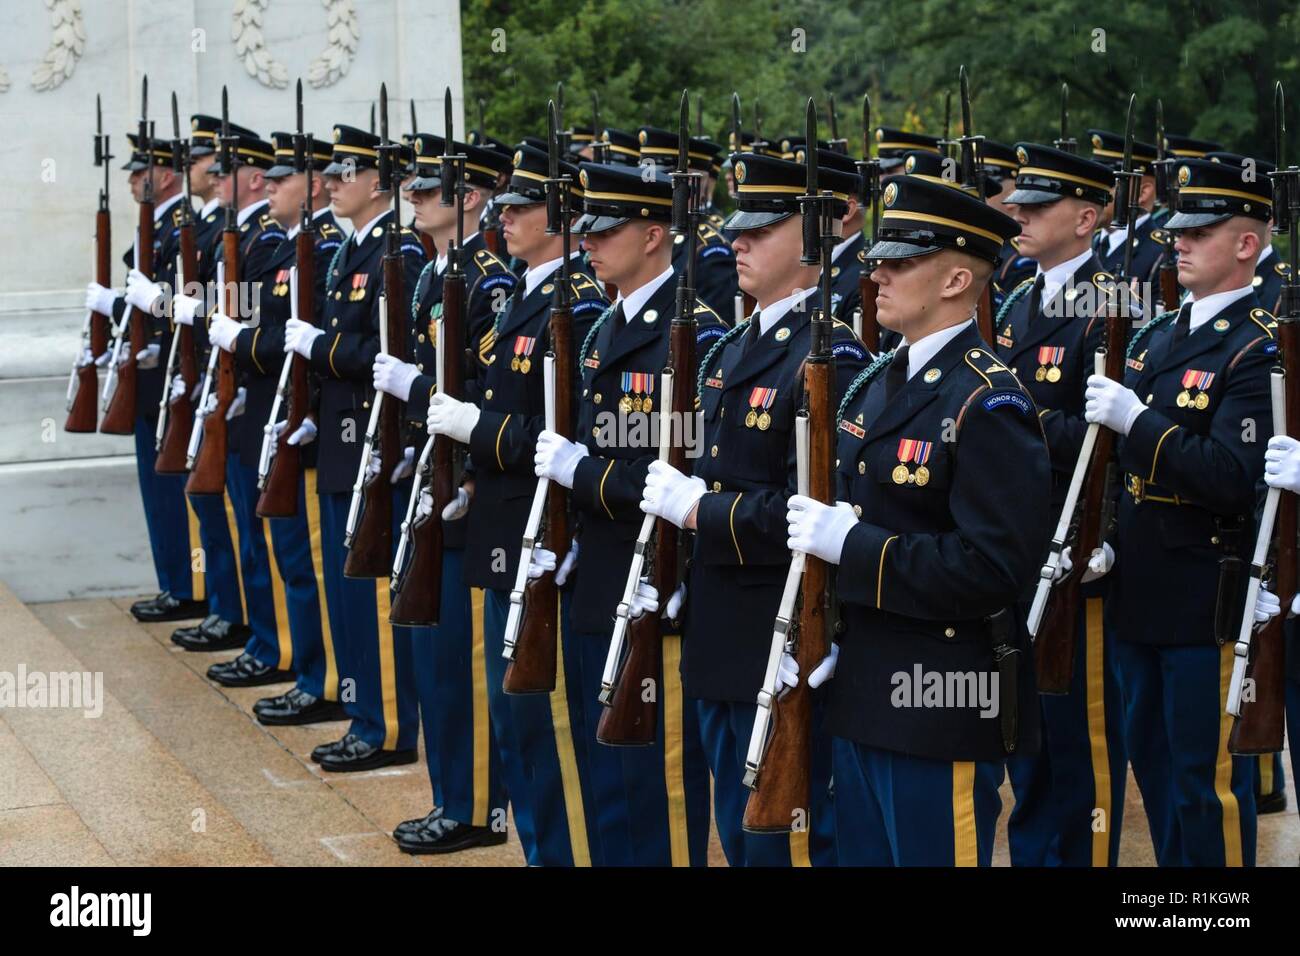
x=750 y=388
x=372 y=655
x=536 y=737
x=1070 y=794
x=625 y=230
x=1000 y=164
x=1149 y=241
x=893 y=145
x=715 y=267
x=204 y=146
x=450 y=660
x=181 y=595
x=930 y=559
x=1192 y=412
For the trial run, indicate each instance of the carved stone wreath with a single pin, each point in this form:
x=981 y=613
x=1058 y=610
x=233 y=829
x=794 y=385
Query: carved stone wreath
x=342 y=34
x=67 y=43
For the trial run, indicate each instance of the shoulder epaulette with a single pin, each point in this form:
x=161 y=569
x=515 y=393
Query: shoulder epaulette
x=985 y=363
x=1282 y=268
x=1264 y=319
x=709 y=234
x=328 y=230
x=580 y=282
x=1162 y=237
x=862 y=380
x=487 y=261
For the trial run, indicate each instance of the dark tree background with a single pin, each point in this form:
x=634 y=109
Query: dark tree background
x=1212 y=63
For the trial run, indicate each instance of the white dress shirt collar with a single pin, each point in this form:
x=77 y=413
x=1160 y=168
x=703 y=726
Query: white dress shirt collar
x=441 y=260
x=1055 y=277
x=247 y=212
x=361 y=234
x=161 y=208
x=636 y=300
x=535 y=275
x=208 y=206
x=1205 y=309
x=1264 y=254
x=1115 y=237
x=297 y=226
x=774 y=313
x=921 y=352
x=841 y=246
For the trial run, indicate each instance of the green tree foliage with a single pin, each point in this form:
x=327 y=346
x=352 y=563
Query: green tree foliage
x=1212 y=62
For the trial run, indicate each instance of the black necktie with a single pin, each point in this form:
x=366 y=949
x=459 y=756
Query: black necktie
x=1183 y=324
x=896 y=373
x=618 y=320
x=1036 y=296
x=752 y=334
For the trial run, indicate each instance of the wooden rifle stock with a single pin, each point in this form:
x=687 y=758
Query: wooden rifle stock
x=119 y=417
x=418 y=599
x=532 y=671
x=371 y=553
x=1169 y=282
x=180 y=411
x=209 y=474
x=279 y=499
x=1058 y=633
x=984 y=314
x=1260 y=728
x=83 y=416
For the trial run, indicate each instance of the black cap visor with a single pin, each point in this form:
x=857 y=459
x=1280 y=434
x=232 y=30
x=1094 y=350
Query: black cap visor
x=588 y=224
x=1195 y=220
x=1032 y=197
x=743 y=219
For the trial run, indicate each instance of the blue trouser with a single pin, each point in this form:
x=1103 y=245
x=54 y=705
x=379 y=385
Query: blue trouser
x=1270 y=775
x=168 y=525
x=649 y=806
x=267 y=643
x=915 y=811
x=376 y=674
x=1070 y=793
x=1293 y=725
x=1199 y=799
x=220 y=563
x=451 y=680
x=725 y=728
x=536 y=747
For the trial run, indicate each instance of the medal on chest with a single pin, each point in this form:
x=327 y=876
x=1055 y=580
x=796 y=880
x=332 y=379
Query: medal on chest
x=762 y=398
x=638 y=388
x=524 y=346
x=281 y=285
x=1049 y=363
x=912 y=450
x=1195 y=385
x=358 y=291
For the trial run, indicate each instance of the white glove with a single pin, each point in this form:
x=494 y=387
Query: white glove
x=645 y=599
x=100 y=299
x=669 y=494
x=557 y=458
x=185 y=308
x=1111 y=404
x=142 y=292
x=1267 y=606
x=825 y=670
x=787 y=674
x=1282 y=463
x=457 y=508
x=223 y=330
x=541 y=562
x=394 y=376
x=1099 y=563
x=450 y=417
x=124 y=354
x=299 y=335
x=819 y=529
x=85 y=358
x=147 y=357
x=210 y=405
x=237 y=406
x=178 y=389
x=104 y=358
x=305 y=433
x=374 y=466
x=404 y=467
x=425 y=506
x=676 y=602
x=570 y=562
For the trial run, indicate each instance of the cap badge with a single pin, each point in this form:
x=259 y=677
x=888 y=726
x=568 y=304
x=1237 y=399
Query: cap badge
x=880 y=135
x=582 y=178
x=1184 y=175
x=800 y=155
x=1022 y=155
x=519 y=156
x=641 y=137
x=419 y=146
x=740 y=171
x=932 y=376
x=910 y=164
x=338 y=134
x=1096 y=141
x=891 y=193
x=194 y=125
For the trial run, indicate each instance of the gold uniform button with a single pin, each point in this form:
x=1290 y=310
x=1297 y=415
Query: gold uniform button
x=949 y=632
x=857 y=510
x=862 y=468
x=488 y=394
x=334 y=322
x=714 y=451
x=595 y=398
x=365 y=404
x=1149 y=397
x=338 y=295
x=595 y=431
x=419 y=366
x=1214 y=539
x=420 y=337
x=717 y=486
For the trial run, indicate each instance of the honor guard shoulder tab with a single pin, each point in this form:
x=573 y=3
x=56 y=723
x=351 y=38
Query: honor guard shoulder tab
x=1001 y=388
x=1282 y=268
x=410 y=242
x=1162 y=237
x=709 y=327
x=1264 y=319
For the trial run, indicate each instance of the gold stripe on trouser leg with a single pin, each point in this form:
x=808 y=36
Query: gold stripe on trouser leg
x=1265 y=774
x=387 y=670
x=1223 y=766
x=965 y=842
x=1095 y=688
x=318 y=565
x=482 y=725
x=568 y=761
x=282 y=640
x=674 y=749
x=198 y=579
x=232 y=526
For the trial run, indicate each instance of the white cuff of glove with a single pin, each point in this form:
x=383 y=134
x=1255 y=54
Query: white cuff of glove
x=147 y=357
x=669 y=494
x=458 y=507
x=305 y=434
x=675 y=603
x=452 y=418
x=557 y=458
x=819 y=529
x=394 y=376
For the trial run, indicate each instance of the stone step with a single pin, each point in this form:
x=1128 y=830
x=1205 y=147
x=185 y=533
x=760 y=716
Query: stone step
x=31 y=428
x=102 y=788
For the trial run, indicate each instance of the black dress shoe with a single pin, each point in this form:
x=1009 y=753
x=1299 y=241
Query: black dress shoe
x=410 y=826
x=221 y=636
x=318 y=752
x=296 y=706
x=356 y=755
x=445 y=835
x=165 y=607
x=188 y=633
x=1274 y=802
x=247 y=671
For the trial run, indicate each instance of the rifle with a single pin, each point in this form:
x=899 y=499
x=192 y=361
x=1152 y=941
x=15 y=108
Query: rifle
x=1167 y=191
x=972 y=175
x=1054 y=613
x=208 y=464
x=83 y=381
x=837 y=144
x=176 y=416
x=369 y=534
x=120 y=386
x=745 y=301
x=1065 y=141
x=442 y=460
x=866 y=326
x=279 y=466
x=426 y=240
x=778 y=764
x=599 y=145
x=532 y=623
x=635 y=657
x=1261 y=717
